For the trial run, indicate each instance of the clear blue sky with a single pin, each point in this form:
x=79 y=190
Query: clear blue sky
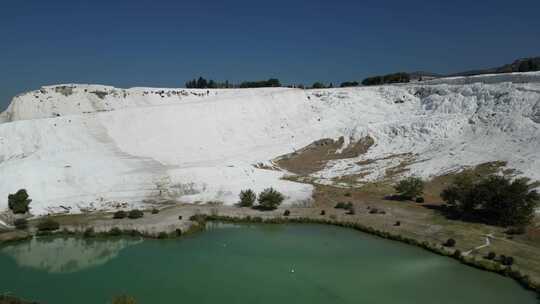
x=163 y=43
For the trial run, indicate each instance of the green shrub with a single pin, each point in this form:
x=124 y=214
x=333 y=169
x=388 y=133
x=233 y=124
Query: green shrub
x=120 y=214
x=270 y=199
x=507 y=260
x=48 y=224
x=342 y=205
x=398 y=223
x=19 y=202
x=155 y=211
x=450 y=243
x=21 y=224
x=286 y=213
x=323 y=212
x=89 y=232
x=124 y=299
x=420 y=200
x=491 y=255
x=163 y=235
x=410 y=187
x=247 y=198
x=115 y=231
x=135 y=214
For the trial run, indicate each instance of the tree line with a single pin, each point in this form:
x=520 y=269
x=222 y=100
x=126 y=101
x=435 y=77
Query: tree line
x=202 y=83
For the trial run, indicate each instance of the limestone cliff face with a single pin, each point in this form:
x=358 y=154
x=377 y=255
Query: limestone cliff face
x=86 y=147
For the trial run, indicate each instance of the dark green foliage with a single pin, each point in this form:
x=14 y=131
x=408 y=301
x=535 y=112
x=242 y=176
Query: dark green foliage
x=342 y=205
x=120 y=214
x=420 y=200
x=115 y=231
x=389 y=78
x=180 y=217
x=450 y=243
x=135 y=214
x=48 y=224
x=491 y=255
x=21 y=224
x=529 y=65
x=89 y=232
x=410 y=187
x=19 y=202
x=462 y=193
x=495 y=199
x=270 y=199
x=247 y=198
x=202 y=83
x=286 y=213
x=163 y=235
x=323 y=212
x=507 y=260
x=349 y=84
x=272 y=82
x=318 y=85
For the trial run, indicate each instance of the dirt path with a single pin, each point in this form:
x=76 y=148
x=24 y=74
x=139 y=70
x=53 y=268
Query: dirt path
x=486 y=244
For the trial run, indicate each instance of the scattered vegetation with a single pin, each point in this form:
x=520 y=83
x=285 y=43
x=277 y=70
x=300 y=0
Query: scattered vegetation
x=321 y=85
x=389 y=78
x=494 y=199
x=120 y=214
x=89 y=232
x=491 y=255
x=155 y=211
x=135 y=214
x=19 y=202
x=115 y=231
x=247 y=198
x=202 y=83
x=349 y=84
x=410 y=188
x=450 y=243
x=272 y=82
x=342 y=205
x=48 y=224
x=270 y=199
